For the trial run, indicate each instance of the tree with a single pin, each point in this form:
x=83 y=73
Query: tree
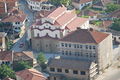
x=112 y=7
x=65 y=2
x=41 y=60
x=6 y=71
x=21 y=65
x=116 y=25
x=61 y=2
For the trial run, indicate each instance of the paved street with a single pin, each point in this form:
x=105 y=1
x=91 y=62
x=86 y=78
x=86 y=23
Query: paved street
x=112 y=73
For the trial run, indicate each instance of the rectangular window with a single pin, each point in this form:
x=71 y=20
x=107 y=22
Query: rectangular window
x=65 y=44
x=74 y=45
x=90 y=47
x=93 y=47
x=69 y=45
x=59 y=70
x=86 y=46
x=80 y=46
x=77 y=46
x=52 y=69
x=82 y=73
x=62 y=44
x=66 y=71
x=75 y=72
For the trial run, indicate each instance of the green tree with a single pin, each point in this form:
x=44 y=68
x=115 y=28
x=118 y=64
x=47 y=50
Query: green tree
x=60 y=2
x=116 y=25
x=21 y=65
x=112 y=7
x=6 y=71
x=65 y=2
x=41 y=60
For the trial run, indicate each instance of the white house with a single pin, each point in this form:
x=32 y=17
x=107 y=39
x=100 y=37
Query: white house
x=38 y=5
x=79 y=4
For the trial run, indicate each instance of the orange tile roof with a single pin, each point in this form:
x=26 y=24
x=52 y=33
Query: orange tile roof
x=31 y=74
x=14 y=16
x=57 y=12
x=77 y=22
x=6 y=55
x=66 y=17
x=85 y=36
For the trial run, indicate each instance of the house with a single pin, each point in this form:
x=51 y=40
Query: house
x=87 y=44
x=24 y=56
x=3 y=41
x=7 y=78
x=6 y=57
x=38 y=5
x=6 y=5
x=44 y=34
x=66 y=68
x=11 y=58
x=30 y=74
x=16 y=18
x=79 y=4
x=115 y=14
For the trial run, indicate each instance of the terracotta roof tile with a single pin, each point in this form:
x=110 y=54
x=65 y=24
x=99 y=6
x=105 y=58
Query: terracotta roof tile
x=82 y=1
x=31 y=74
x=77 y=22
x=85 y=36
x=6 y=55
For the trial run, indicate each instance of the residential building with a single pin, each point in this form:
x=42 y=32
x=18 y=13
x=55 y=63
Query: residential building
x=11 y=58
x=16 y=18
x=83 y=44
x=30 y=74
x=3 y=41
x=24 y=56
x=6 y=5
x=78 y=69
x=7 y=78
x=6 y=58
x=55 y=25
x=38 y=5
x=80 y=4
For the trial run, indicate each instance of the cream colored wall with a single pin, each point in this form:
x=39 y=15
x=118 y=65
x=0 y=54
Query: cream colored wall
x=105 y=53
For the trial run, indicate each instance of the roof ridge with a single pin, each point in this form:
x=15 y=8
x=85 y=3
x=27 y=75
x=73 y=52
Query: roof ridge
x=92 y=36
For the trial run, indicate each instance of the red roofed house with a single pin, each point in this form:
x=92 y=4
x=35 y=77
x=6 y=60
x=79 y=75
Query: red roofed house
x=76 y=50
x=6 y=5
x=30 y=74
x=16 y=17
x=79 y=4
x=55 y=25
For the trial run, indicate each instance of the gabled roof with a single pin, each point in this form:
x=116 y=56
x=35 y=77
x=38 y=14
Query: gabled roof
x=85 y=36
x=77 y=22
x=40 y=0
x=31 y=74
x=25 y=55
x=6 y=55
x=14 y=16
x=57 y=12
x=69 y=63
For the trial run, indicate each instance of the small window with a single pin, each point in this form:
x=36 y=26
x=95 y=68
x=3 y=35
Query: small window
x=52 y=69
x=90 y=47
x=75 y=72
x=74 y=45
x=59 y=70
x=62 y=44
x=69 y=45
x=77 y=46
x=93 y=47
x=82 y=73
x=66 y=52
x=63 y=52
x=86 y=54
x=86 y=46
x=66 y=45
x=80 y=46
x=66 y=71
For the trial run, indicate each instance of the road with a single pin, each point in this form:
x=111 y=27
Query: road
x=30 y=17
x=113 y=73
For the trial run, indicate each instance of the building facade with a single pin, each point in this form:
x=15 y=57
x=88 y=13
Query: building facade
x=38 y=5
